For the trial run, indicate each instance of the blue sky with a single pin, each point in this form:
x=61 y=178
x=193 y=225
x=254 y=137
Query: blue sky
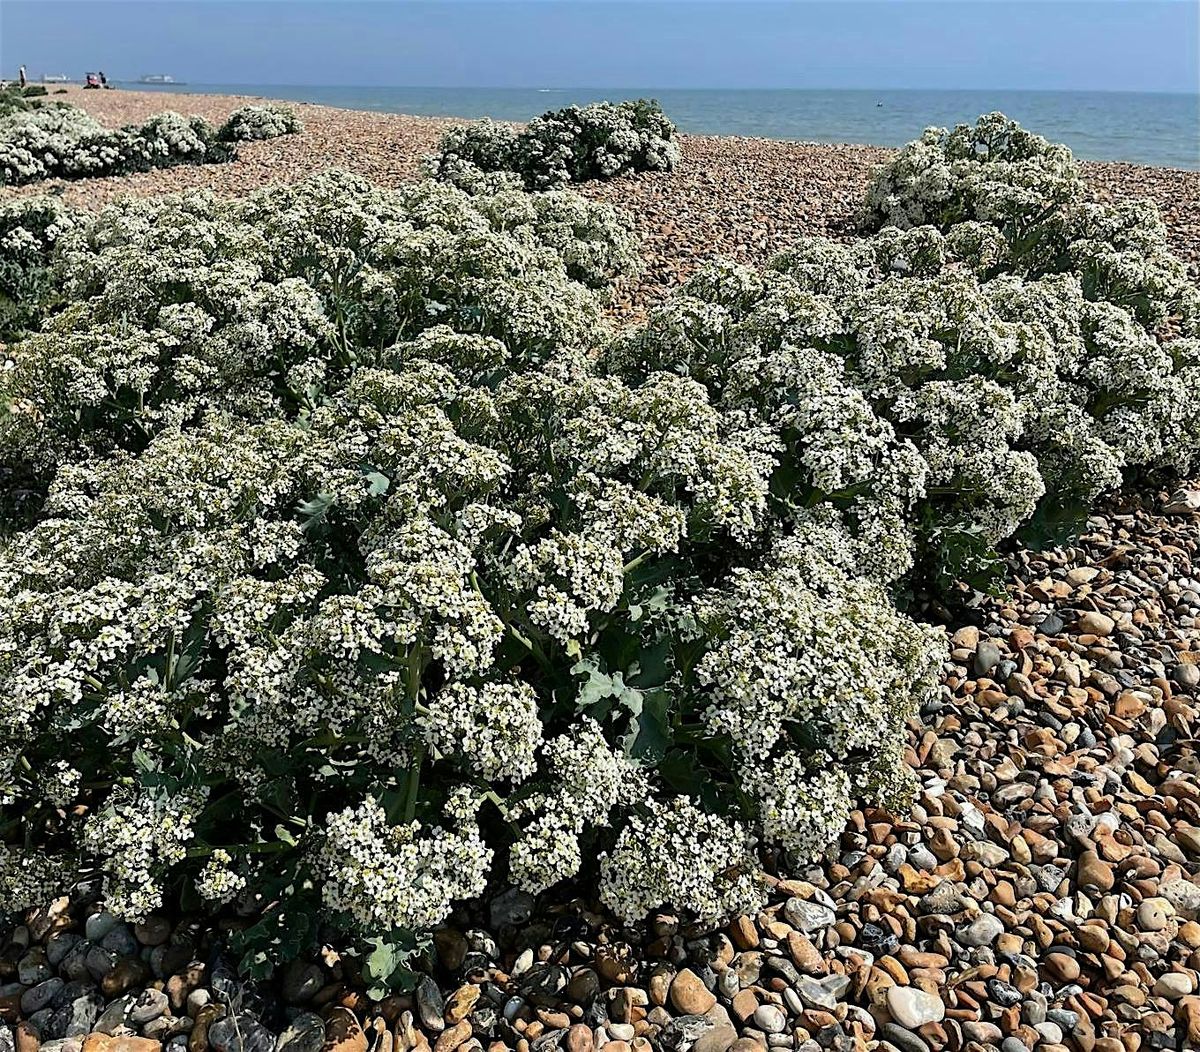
x=1122 y=45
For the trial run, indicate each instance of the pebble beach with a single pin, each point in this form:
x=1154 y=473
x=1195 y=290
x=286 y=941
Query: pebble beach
x=739 y=198
x=1043 y=893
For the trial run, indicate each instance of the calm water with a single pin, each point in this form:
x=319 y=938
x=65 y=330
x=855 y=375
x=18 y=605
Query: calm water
x=1147 y=128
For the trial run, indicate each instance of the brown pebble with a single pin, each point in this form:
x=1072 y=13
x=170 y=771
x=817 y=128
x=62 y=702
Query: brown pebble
x=689 y=995
x=450 y=1038
x=1061 y=967
x=343 y=1033
x=579 y=1038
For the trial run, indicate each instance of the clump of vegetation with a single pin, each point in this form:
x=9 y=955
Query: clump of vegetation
x=252 y=123
x=571 y=145
x=65 y=142
x=29 y=230
x=994 y=181
x=327 y=482
x=352 y=564
x=14 y=98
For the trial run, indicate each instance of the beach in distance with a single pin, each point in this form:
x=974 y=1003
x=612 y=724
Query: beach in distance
x=742 y=198
x=1144 y=128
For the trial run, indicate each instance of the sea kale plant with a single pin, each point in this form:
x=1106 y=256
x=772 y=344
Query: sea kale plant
x=1029 y=348
x=346 y=581
x=29 y=230
x=996 y=177
x=352 y=564
x=572 y=145
x=266 y=121
x=67 y=143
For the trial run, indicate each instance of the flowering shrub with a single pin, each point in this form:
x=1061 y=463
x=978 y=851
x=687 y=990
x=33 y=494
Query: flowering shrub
x=996 y=178
x=356 y=566
x=571 y=145
x=29 y=230
x=13 y=98
x=1009 y=390
x=268 y=121
x=352 y=583
x=67 y=143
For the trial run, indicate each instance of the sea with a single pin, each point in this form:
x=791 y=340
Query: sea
x=1145 y=128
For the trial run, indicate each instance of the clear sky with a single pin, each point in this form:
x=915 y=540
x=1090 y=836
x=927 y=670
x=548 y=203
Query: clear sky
x=1120 y=45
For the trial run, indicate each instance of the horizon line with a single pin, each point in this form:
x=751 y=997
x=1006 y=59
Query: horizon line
x=637 y=87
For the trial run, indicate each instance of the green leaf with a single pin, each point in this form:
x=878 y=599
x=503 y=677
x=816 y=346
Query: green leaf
x=386 y=967
x=285 y=930
x=649 y=729
x=1054 y=523
x=313 y=512
x=653 y=667
x=143 y=762
x=600 y=693
x=379 y=483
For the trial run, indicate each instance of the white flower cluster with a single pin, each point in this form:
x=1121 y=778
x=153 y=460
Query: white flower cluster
x=674 y=854
x=138 y=837
x=29 y=879
x=218 y=882
x=803 y=803
x=60 y=784
x=784 y=659
x=67 y=143
x=495 y=728
x=921 y=393
x=267 y=121
x=29 y=230
x=596 y=243
x=571 y=145
x=588 y=780
x=341 y=503
x=1011 y=202
x=994 y=171
x=399 y=876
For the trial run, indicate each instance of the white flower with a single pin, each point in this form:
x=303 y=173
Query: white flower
x=674 y=854
x=398 y=876
x=494 y=727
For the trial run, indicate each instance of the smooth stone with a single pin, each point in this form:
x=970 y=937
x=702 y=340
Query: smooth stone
x=38 y=997
x=430 y=1006
x=99 y=925
x=815 y=995
x=1093 y=623
x=1174 y=986
x=1151 y=916
x=982 y=931
x=305 y=1033
x=912 y=1007
x=770 y=1018
x=903 y=1038
x=149 y=1005
x=511 y=907
x=689 y=994
x=719 y=1039
x=807 y=915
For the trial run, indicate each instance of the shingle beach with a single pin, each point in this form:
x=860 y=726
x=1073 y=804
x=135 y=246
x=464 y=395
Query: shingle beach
x=739 y=198
x=1043 y=893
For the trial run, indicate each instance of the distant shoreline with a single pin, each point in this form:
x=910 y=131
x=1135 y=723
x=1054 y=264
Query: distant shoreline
x=1153 y=128
x=742 y=198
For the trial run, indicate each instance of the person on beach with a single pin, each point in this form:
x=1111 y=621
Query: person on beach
x=103 y=80
x=21 y=77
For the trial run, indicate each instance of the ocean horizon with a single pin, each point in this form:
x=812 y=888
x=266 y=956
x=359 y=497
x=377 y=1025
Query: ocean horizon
x=1144 y=128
